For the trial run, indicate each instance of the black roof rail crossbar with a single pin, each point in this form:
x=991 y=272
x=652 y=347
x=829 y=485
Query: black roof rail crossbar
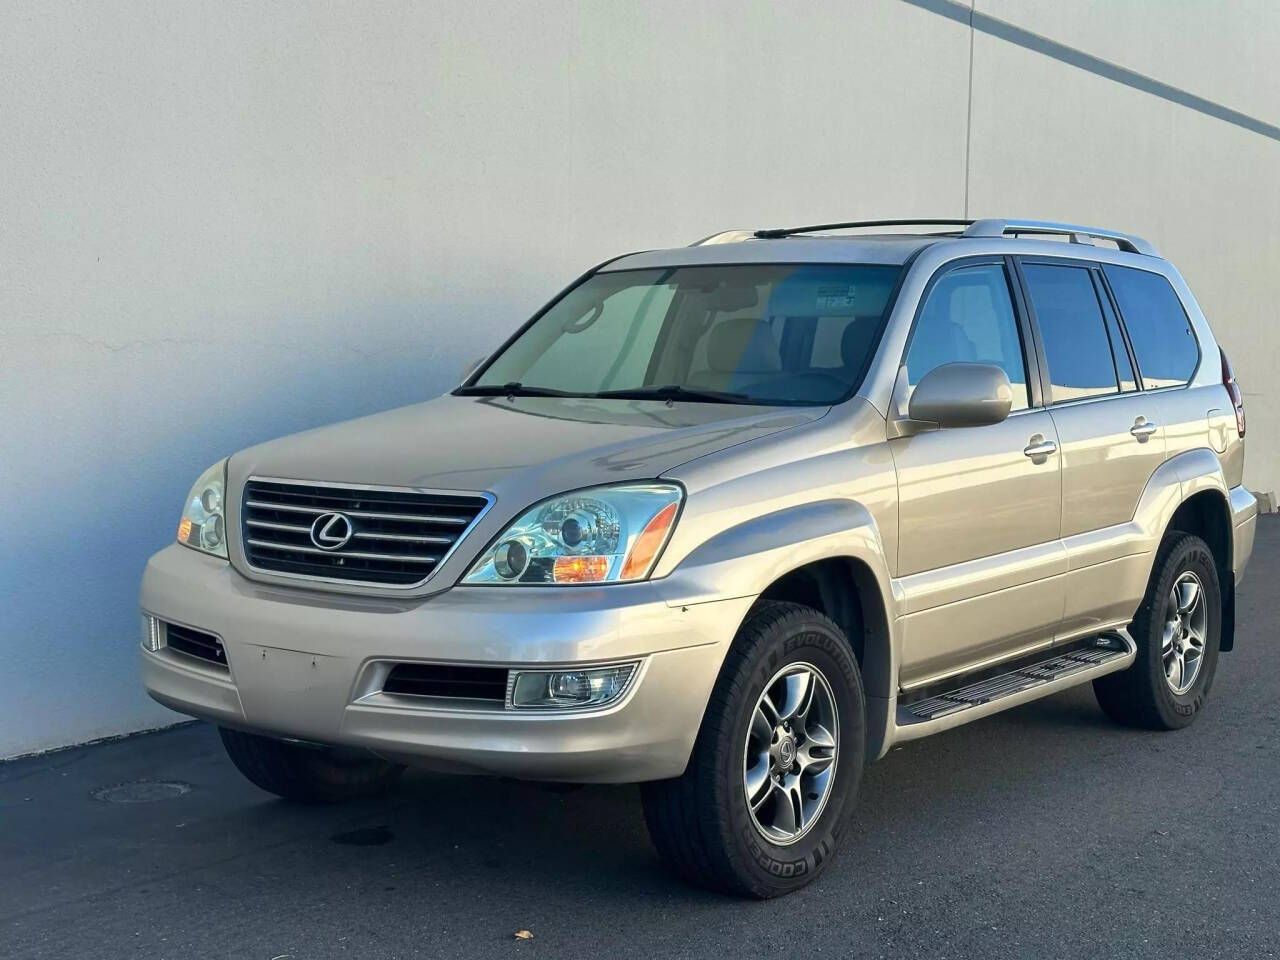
x=777 y=233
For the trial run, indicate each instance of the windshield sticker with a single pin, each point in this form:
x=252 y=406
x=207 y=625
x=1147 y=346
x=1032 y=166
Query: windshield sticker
x=835 y=297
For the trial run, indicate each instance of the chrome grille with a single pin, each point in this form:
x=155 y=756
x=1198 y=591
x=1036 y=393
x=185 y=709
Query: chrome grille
x=398 y=537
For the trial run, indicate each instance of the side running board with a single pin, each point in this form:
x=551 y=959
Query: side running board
x=1104 y=654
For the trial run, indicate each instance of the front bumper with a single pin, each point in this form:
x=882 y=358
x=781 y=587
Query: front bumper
x=299 y=662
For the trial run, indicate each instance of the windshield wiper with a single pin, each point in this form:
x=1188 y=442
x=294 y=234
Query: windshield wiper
x=670 y=392
x=513 y=390
x=674 y=392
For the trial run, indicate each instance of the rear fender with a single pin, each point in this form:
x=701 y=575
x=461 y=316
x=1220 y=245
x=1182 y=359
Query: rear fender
x=1171 y=484
x=1192 y=473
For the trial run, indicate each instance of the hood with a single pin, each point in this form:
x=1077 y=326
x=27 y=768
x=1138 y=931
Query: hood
x=522 y=449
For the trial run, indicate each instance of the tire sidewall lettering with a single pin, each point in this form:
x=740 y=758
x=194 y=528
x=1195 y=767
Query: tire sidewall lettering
x=804 y=641
x=783 y=869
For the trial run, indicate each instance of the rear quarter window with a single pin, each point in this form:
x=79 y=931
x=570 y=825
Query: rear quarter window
x=1161 y=334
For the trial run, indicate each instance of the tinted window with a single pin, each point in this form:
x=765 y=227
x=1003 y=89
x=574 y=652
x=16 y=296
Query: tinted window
x=1076 y=344
x=1124 y=366
x=968 y=318
x=832 y=337
x=767 y=333
x=612 y=330
x=1158 y=327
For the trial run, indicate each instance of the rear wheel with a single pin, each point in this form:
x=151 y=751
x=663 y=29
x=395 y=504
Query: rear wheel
x=306 y=774
x=1178 y=630
x=776 y=766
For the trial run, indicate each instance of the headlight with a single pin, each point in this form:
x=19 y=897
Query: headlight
x=203 y=525
x=599 y=535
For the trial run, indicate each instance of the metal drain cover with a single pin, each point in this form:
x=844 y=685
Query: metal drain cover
x=141 y=791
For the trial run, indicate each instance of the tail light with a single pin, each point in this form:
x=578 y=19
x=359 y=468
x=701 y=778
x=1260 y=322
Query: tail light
x=1233 y=391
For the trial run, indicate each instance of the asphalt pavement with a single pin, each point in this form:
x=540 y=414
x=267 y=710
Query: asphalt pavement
x=1043 y=832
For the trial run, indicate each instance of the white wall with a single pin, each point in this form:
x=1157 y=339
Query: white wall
x=222 y=222
x=1069 y=145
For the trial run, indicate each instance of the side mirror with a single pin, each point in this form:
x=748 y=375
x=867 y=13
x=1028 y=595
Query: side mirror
x=961 y=395
x=470 y=368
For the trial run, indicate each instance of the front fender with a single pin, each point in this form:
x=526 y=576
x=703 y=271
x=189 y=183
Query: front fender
x=743 y=560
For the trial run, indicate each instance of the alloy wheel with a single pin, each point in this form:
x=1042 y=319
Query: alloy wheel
x=791 y=749
x=1185 y=628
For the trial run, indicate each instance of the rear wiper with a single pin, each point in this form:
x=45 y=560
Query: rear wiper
x=675 y=392
x=512 y=390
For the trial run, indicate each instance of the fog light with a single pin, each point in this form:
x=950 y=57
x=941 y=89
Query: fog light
x=151 y=634
x=571 y=688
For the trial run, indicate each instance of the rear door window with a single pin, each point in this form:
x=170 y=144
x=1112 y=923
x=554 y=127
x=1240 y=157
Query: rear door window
x=1158 y=327
x=1076 y=344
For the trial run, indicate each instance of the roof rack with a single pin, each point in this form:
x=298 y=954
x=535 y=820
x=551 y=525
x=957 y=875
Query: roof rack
x=1077 y=234
x=725 y=236
x=777 y=233
x=973 y=228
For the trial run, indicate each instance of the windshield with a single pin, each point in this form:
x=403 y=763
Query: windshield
x=764 y=333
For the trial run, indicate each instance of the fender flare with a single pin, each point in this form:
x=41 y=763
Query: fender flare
x=1183 y=476
x=1173 y=483
x=1157 y=503
x=742 y=561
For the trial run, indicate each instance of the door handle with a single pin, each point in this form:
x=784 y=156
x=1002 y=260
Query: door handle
x=1143 y=429
x=1039 y=448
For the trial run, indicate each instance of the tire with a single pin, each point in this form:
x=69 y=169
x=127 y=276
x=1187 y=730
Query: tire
x=306 y=774
x=1145 y=695
x=700 y=822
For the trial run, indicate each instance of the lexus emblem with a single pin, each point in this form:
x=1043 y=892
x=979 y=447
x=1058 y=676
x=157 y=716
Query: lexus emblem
x=331 y=531
x=786 y=752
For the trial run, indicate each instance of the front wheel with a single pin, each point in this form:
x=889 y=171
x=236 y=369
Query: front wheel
x=776 y=766
x=1178 y=630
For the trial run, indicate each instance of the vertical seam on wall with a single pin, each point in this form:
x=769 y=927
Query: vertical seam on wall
x=968 y=124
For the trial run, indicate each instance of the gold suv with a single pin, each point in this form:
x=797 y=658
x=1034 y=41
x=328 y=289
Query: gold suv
x=729 y=521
